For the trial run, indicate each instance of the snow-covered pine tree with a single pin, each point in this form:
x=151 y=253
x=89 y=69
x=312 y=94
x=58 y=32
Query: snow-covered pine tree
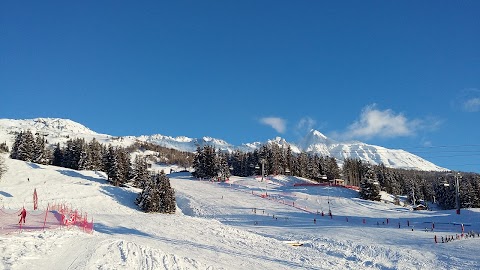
x=141 y=174
x=23 y=146
x=274 y=160
x=149 y=199
x=167 y=194
x=157 y=195
x=40 y=152
x=301 y=165
x=83 y=159
x=235 y=160
x=199 y=163
x=332 y=169
x=223 y=170
x=125 y=165
x=312 y=169
x=210 y=161
x=289 y=158
x=112 y=168
x=95 y=154
x=72 y=152
x=16 y=143
x=369 y=186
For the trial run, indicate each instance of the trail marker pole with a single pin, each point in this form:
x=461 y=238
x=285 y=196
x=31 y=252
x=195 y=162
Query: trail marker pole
x=45 y=220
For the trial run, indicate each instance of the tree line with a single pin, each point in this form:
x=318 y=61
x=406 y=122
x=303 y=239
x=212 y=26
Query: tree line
x=212 y=163
x=77 y=154
x=418 y=185
x=428 y=186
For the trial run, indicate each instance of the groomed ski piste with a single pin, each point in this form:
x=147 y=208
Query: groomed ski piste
x=245 y=223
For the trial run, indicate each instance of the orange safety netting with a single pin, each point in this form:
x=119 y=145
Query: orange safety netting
x=56 y=216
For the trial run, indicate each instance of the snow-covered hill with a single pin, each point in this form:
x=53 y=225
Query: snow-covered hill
x=226 y=226
x=60 y=130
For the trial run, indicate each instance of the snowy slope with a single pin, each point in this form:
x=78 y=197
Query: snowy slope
x=60 y=130
x=224 y=226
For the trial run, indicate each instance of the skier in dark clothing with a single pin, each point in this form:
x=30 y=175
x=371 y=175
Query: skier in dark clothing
x=22 y=215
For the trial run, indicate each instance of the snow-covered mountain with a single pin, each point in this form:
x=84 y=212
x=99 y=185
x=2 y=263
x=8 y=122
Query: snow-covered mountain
x=316 y=142
x=60 y=130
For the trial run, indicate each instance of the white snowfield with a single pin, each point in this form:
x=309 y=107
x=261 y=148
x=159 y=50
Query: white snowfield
x=224 y=226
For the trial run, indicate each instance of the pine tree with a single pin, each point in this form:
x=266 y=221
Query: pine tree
x=112 y=167
x=223 y=170
x=157 y=196
x=124 y=165
x=141 y=174
x=332 y=169
x=3 y=147
x=73 y=152
x=40 y=153
x=289 y=159
x=210 y=166
x=95 y=154
x=16 y=144
x=167 y=194
x=57 y=159
x=199 y=163
x=83 y=158
x=23 y=147
x=369 y=186
x=148 y=200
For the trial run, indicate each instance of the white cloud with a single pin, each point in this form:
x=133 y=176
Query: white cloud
x=467 y=100
x=472 y=105
x=306 y=124
x=378 y=123
x=276 y=123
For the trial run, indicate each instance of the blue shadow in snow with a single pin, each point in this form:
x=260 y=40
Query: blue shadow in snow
x=102 y=228
x=123 y=196
x=34 y=165
x=6 y=194
x=79 y=175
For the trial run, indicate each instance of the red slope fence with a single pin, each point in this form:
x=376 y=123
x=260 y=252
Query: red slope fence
x=54 y=217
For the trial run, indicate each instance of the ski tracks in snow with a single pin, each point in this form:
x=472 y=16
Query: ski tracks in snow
x=122 y=254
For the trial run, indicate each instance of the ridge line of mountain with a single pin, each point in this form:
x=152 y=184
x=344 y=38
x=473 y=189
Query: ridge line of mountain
x=314 y=142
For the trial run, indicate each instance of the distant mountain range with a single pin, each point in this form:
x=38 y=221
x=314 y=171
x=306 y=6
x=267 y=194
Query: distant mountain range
x=58 y=130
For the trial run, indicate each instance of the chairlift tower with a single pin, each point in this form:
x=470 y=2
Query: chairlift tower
x=262 y=162
x=457 y=192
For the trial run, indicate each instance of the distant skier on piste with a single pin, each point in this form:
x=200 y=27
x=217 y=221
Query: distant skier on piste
x=22 y=215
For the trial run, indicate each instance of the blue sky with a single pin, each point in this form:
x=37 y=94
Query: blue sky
x=400 y=74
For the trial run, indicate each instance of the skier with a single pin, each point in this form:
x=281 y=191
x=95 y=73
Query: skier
x=22 y=215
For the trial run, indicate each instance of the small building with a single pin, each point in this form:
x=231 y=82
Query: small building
x=419 y=207
x=337 y=182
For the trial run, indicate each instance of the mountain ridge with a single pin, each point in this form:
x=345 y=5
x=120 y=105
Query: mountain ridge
x=58 y=130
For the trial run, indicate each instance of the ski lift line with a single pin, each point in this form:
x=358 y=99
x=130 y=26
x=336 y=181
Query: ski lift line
x=420 y=149
x=466 y=164
x=412 y=152
x=449 y=156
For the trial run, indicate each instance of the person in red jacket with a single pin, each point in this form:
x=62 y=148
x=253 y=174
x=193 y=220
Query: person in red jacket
x=22 y=215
